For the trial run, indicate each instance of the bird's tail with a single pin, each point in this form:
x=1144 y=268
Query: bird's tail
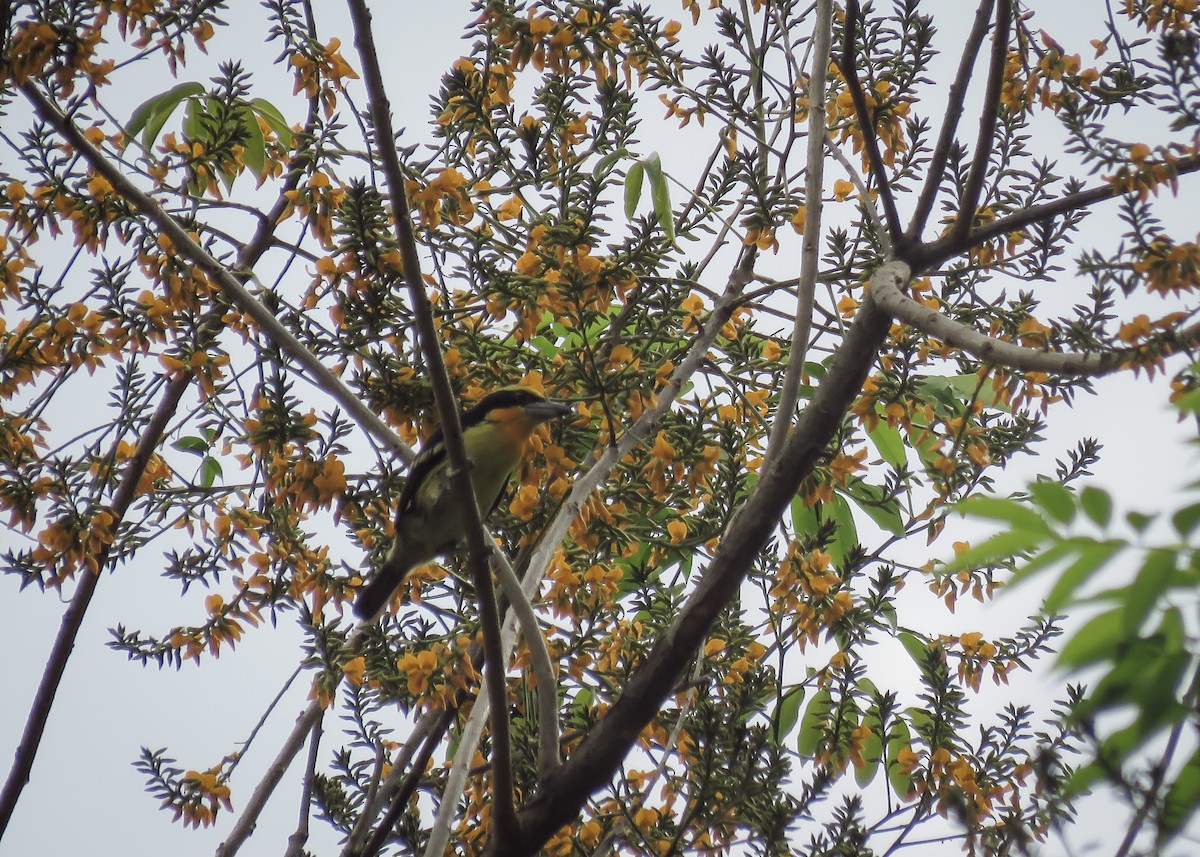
x=372 y=597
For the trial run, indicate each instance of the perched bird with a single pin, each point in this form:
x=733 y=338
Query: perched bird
x=429 y=521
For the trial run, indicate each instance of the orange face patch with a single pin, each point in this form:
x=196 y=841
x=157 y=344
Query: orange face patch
x=515 y=426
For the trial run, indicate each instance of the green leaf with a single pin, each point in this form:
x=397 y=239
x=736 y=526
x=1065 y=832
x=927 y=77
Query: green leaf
x=787 y=712
x=887 y=611
x=1096 y=641
x=274 y=119
x=660 y=195
x=255 y=152
x=1139 y=521
x=1012 y=512
x=633 y=188
x=1153 y=579
x=872 y=752
x=610 y=160
x=917 y=648
x=812 y=726
x=193 y=445
x=1186 y=520
x=210 y=472
x=838 y=510
x=193 y=128
x=899 y=738
x=804 y=518
x=1082 y=779
x=882 y=509
x=1097 y=505
x=1092 y=557
x=1043 y=560
x=889 y=444
x=1182 y=801
x=153 y=113
x=1055 y=498
x=1001 y=546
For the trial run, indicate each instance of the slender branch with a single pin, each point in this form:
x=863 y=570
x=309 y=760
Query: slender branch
x=477 y=540
x=599 y=755
x=866 y=121
x=431 y=726
x=929 y=256
x=460 y=768
x=296 y=842
x=407 y=787
x=954 y=109
x=969 y=203
x=539 y=656
x=809 y=253
x=998 y=352
x=187 y=247
x=64 y=642
x=245 y=823
x=123 y=498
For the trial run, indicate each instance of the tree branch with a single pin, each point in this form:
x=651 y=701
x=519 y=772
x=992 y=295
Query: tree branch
x=809 y=253
x=866 y=121
x=64 y=642
x=126 y=493
x=296 y=842
x=596 y=760
x=495 y=666
x=892 y=300
x=408 y=786
x=969 y=203
x=929 y=256
x=954 y=108
x=540 y=663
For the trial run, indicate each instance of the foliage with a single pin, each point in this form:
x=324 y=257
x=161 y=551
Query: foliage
x=1139 y=643
x=716 y=544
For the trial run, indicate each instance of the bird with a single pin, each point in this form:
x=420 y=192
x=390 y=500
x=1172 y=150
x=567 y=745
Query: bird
x=429 y=521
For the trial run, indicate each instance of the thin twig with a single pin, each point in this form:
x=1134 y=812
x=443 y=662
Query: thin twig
x=460 y=769
x=297 y=840
x=431 y=725
x=407 y=787
x=539 y=657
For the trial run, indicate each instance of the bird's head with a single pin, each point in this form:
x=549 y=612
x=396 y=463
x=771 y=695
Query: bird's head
x=517 y=411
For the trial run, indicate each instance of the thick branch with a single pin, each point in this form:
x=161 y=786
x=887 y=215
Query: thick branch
x=599 y=756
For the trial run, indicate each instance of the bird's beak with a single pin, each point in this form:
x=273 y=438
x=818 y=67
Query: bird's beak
x=546 y=411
